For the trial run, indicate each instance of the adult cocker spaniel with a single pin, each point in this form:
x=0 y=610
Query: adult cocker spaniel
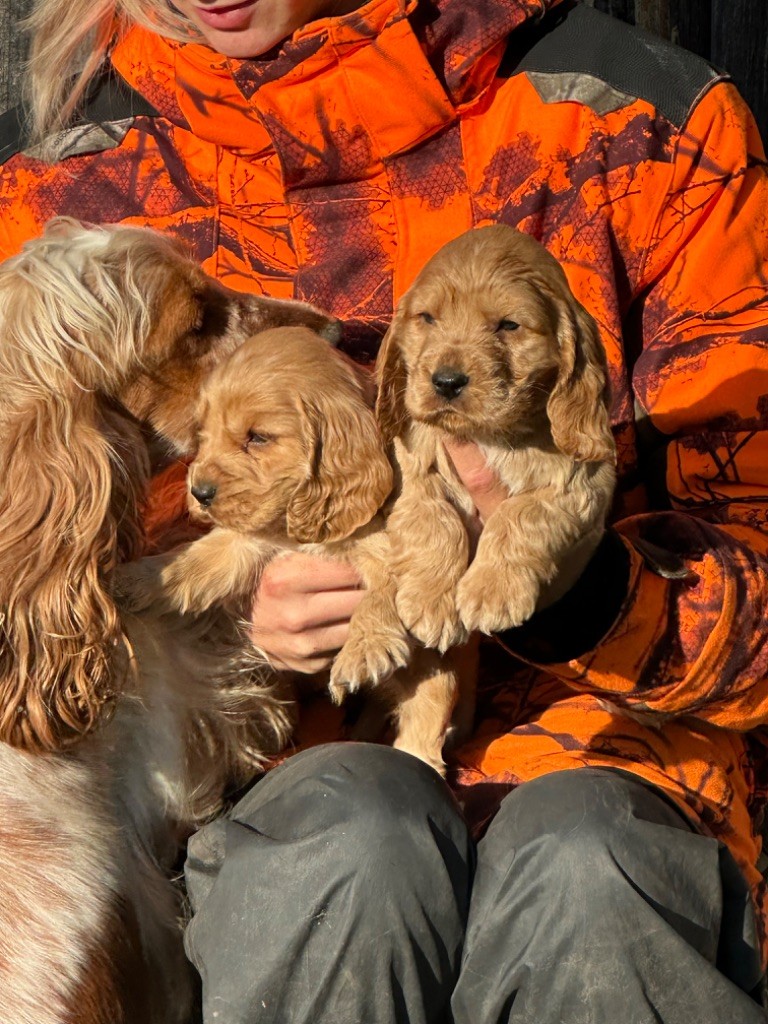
x=122 y=721
x=489 y=345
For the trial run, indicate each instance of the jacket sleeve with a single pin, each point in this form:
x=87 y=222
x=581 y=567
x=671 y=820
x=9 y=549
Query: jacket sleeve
x=672 y=614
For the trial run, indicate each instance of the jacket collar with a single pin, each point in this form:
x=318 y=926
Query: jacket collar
x=342 y=94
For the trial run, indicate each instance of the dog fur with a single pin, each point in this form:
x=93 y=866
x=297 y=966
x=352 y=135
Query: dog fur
x=291 y=459
x=489 y=345
x=122 y=722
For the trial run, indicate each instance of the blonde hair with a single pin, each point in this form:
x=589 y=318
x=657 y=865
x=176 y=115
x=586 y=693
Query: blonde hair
x=69 y=41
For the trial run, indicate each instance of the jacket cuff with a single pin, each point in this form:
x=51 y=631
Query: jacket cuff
x=582 y=617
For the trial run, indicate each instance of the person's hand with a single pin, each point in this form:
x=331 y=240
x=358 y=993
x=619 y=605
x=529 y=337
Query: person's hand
x=301 y=611
x=484 y=487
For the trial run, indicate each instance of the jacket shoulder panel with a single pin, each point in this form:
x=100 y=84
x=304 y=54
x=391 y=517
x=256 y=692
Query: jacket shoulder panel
x=578 y=53
x=107 y=115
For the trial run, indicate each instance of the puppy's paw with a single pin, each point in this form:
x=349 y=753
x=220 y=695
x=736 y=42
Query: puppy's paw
x=491 y=602
x=432 y=619
x=184 y=588
x=367 y=659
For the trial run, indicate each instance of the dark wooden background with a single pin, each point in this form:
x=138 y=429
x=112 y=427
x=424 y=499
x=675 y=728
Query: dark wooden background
x=733 y=34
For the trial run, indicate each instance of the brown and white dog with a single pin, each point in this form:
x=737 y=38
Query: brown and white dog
x=489 y=345
x=291 y=459
x=122 y=722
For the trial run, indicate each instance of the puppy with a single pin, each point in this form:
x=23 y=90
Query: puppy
x=489 y=345
x=291 y=459
x=107 y=334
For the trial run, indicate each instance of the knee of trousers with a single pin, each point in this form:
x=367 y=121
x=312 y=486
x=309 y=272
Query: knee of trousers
x=588 y=831
x=369 y=788
x=361 y=808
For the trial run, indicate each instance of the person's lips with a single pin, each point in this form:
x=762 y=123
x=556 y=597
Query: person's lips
x=227 y=18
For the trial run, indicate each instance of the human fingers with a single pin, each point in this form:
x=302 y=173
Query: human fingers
x=297 y=624
x=308 y=652
x=299 y=572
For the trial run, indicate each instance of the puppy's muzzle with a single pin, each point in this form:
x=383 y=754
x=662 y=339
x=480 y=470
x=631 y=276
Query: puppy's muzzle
x=204 y=494
x=449 y=382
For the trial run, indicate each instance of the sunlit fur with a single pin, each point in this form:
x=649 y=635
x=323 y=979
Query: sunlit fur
x=495 y=306
x=106 y=334
x=290 y=444
x=97 y=327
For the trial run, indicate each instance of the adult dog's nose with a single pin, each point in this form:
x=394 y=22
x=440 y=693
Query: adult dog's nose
x=449 y=382
x=204 y=493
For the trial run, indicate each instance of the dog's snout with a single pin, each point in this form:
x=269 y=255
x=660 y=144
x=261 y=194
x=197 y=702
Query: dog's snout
x=449 y=382
x=204 y=493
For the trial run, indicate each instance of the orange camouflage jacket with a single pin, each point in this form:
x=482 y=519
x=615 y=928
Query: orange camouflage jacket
x=332 y=170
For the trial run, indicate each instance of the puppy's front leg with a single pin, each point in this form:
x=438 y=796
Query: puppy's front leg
x=424 y=696
x=430 y=551
x=221 y=567
x=517 y=557
x=378 y=642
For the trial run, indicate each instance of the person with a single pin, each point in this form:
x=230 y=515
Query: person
x=597 y=860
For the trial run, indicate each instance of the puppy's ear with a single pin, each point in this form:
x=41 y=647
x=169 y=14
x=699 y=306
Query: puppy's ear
x=392 y=379
x=349 y=475
x=60 y=501
x=577 y=407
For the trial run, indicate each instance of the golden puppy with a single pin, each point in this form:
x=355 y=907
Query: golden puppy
x=291 y=459
x=489 y=345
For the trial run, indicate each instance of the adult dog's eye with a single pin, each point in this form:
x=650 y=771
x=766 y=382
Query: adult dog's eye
x=426 y=317
x=256 y=440
x=507 y=325
x=211 y=316
x=196 y=327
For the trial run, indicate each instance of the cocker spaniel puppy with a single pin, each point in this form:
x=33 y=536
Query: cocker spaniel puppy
x=489 y=345
x=291 y=459
x=106 y=333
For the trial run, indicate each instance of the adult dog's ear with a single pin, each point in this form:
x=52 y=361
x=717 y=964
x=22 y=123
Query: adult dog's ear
x=392 y=379
x=348 y=476
x=72 y=469
x=61 y=499
x=577 y=407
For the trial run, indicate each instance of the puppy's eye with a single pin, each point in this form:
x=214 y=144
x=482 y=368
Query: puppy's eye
x=256 y=440
x=507 y=325
x=426 y=317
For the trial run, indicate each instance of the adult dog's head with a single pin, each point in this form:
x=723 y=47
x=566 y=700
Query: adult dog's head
x=489 y=344
x=289 y=447
x=102 y=330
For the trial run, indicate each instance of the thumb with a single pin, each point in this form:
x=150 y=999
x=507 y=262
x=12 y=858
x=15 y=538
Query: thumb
x=482 y=483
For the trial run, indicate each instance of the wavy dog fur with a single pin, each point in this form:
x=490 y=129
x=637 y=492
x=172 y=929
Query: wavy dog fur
x=490 y=345
x=94 y=324
x=291 y=459
x=104 y=334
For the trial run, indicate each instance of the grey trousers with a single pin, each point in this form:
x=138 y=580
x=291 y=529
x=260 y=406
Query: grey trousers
x=344 y=889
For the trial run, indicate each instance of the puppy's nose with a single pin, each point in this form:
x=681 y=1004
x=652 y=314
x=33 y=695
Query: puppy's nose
x=204 y=493
x=449 y=382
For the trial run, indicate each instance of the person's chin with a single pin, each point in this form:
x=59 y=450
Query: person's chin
x=242 y=45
